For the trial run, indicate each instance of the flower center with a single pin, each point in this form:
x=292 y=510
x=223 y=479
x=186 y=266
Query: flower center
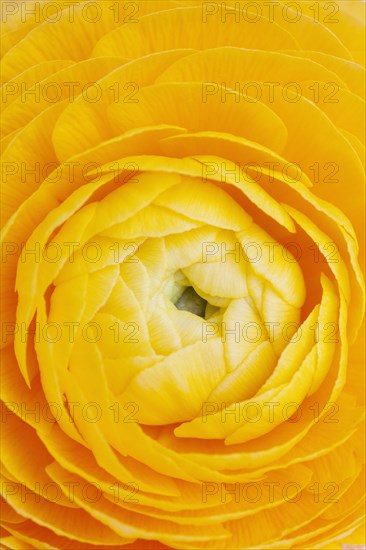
x=192 y=302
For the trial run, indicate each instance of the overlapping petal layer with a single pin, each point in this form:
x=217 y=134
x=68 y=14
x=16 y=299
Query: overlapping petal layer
x=182 y=296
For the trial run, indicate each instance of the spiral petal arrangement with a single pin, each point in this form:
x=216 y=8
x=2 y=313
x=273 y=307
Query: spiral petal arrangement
x=182 y=297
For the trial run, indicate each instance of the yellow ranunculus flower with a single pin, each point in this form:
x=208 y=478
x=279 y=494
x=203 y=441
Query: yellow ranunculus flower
x=182 y=298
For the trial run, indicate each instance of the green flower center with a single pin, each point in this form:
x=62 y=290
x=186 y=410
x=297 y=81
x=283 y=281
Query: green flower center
x=192 y=302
